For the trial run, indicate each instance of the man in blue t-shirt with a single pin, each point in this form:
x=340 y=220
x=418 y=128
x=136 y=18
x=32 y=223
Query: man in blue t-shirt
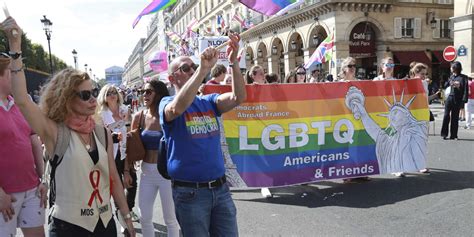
x=201 y=196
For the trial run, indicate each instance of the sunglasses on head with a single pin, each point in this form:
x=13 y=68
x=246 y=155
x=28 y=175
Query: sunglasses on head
x=86 y=95
x=390 y=65
x=301 y=73
x=351 y=66
x=147 y=91
x=186 y=68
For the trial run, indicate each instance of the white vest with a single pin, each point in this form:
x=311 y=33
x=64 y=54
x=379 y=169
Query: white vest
x=82 y=187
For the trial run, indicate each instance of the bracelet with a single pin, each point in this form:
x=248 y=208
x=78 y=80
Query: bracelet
x=17 y=70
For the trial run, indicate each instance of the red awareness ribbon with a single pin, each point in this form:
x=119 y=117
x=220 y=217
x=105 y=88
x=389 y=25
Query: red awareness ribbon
x=95 y=185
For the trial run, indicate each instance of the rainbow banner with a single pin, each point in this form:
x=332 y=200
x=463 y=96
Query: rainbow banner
x=288 y=134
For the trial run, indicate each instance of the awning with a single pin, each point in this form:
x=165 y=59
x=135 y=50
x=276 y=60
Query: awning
x=439 y=56
x=406 y=57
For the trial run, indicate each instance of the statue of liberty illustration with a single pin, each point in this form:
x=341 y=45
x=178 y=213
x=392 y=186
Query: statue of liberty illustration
x=402 y=145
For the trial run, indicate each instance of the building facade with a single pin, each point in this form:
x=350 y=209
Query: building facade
x=463 y=34
x=113 y=75
x=134 y=67
x=368 y=30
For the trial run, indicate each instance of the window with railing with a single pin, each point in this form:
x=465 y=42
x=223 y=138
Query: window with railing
x=407 y=27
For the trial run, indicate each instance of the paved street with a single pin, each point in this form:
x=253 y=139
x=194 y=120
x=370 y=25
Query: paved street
x=438 y=204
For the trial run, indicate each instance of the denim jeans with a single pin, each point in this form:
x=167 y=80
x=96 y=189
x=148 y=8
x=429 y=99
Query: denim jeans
x=205 y=212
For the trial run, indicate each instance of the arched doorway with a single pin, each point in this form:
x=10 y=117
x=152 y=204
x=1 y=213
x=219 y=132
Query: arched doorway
x=295 y=50
x=317 y=35
x=277 y=58
x=262 y=56
x=249 y=57
x=362 y=48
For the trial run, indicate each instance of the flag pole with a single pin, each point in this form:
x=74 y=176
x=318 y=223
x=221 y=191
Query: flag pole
x=242 y=35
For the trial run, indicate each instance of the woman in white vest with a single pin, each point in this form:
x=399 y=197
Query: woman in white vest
x=86 y=177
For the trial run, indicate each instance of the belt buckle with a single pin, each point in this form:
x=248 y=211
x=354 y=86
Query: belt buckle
x=209 y=184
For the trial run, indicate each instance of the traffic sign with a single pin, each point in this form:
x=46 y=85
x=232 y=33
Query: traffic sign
x=462 y=51
x=449 y=53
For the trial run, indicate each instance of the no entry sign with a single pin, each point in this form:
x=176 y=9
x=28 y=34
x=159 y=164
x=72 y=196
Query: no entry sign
x=449 y=53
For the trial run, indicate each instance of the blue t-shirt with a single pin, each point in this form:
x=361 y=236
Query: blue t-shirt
x=194 y=149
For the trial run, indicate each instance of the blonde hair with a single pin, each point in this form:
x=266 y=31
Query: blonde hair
x=59 y=92
x=344 y=64
x=102 y=100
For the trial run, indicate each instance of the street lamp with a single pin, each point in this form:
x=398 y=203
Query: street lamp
x=85 y=66
x=274 y=49
x=47 y=30
x=293 y=44
x=90 y=72
x=260 y=53
x=315 y=40
x=74 y=55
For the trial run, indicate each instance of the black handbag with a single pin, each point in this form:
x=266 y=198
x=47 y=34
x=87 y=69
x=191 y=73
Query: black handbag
x=162 y=163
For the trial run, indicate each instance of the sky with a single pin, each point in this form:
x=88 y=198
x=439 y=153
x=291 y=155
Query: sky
x=99 y=30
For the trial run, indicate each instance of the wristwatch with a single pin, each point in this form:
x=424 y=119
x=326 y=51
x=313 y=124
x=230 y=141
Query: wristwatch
x=128 y=216
x=14 y=55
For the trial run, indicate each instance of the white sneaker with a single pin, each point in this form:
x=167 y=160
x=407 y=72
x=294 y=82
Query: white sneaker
x=399 y=174
x=266 y=193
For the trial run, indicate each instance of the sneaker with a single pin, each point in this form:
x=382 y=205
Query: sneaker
x=399 y=174
x=135 y=217
x=425 y=171
x=266 y=193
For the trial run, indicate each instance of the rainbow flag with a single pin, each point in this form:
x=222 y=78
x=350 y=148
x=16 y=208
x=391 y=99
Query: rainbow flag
x=153 y=7
x=267 y=7
x=288 y=134
x=323 y=53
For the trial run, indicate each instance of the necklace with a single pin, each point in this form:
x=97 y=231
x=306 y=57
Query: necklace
x=87 y=145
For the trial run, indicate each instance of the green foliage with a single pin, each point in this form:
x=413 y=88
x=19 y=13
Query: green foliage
x=35 y=57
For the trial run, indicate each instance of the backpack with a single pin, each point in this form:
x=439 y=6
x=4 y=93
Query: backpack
x=62 y=143
x=162 y=163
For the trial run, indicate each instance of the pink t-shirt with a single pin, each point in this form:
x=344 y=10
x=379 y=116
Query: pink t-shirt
x=471 y=90
x=17 y=166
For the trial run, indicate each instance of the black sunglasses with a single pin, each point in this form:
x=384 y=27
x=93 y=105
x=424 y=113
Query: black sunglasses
x=301 y=73
x=111 y=93
x=86 y=95
x=351 y=65
x=147 y=91
x=5 y=55
x=186 y=68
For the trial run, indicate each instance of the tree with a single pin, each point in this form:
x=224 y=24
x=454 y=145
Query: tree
x=34 y=55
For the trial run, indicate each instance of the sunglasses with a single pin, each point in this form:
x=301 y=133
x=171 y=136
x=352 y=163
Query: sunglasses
x=390 y=65
x=301 y=73
x=86 y=95
x=111 y=93
x=351 y=66
x=5 y=55
x=147 y=91
x=185 y=68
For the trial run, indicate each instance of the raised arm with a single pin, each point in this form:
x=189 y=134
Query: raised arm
x=186 y=94
x=228 y=101
x=42 y=125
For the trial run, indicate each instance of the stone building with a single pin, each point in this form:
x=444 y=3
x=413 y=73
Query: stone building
x=463 y=33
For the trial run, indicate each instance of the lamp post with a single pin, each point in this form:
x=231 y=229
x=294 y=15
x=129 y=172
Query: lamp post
x=74 y=55
x=47 y=30
x=85 y=66
x=90 y=72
